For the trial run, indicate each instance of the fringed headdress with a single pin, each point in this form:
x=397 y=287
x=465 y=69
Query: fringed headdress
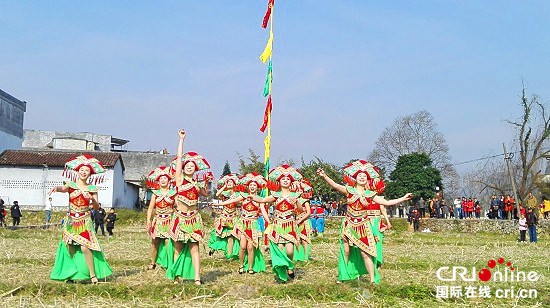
x=374 y=181
x=228 y=177
x=96 y=168
x=154 y=176
x=284 y=170
x=251 y=177
x=202 y=167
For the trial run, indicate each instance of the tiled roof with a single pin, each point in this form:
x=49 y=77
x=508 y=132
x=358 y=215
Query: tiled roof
x=53 y=158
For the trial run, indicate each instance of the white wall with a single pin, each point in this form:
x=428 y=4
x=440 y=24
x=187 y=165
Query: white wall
x=9 y=142
x=29 y=186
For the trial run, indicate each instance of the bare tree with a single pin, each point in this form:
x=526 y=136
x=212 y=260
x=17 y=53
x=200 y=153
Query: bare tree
x=533 y=130
x=528 y=149
x=415 y=133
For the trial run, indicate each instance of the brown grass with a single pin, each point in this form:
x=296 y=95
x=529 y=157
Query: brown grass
x=408 y=275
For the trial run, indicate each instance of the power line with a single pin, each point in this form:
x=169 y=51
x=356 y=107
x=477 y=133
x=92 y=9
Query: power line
x=492 y=156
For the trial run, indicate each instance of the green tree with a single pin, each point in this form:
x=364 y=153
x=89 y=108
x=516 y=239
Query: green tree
x=250 y=164
x=320 y=187
x=413 y=173
x=226 y=169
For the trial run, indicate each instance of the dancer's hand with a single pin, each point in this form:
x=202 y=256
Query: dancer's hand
x=321 y=172
x=54 y=189
x=389 y=226
x=408 y=196
x=182 y=134
x=148 y=228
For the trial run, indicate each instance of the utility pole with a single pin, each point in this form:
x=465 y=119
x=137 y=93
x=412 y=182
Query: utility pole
x=508 y=158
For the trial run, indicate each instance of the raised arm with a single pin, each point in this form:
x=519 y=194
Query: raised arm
x=338 y=187
x=179 y=163
x=268 y=199
x=63 y=189
x=382 y=201
x=229 y=201
x=220 y=191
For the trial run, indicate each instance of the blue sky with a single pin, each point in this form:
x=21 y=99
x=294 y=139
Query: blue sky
x=343 y=70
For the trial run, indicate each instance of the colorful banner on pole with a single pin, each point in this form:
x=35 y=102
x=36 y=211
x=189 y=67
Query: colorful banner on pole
x=265 y=57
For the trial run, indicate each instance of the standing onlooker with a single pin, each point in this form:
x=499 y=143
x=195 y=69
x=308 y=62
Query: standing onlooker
x=48 y=209
x=532 y=220
x=111 y=218
x=422 y=207
x=16 y=213
x=522 y=228
x=401 y=209
x=410 y=213
x=416 y=220
x=458 y=208
x=493 y=212
x=444 y=209
x=334 y=208
x=477 y=208
x=99 y=218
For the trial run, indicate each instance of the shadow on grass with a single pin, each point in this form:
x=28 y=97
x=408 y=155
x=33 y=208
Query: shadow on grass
x=212 y=276
x=125 y=273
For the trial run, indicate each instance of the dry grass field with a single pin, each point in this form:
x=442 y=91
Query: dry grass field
x=408 y=275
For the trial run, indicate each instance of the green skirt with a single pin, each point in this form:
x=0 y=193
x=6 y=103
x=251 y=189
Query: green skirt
x=165 y=254
x=74 y=268
x=301 y=254
x=280 y=262
x=379 y=237
x=355 y=266
x=220 y=243
x=183 y=266
x=259 y=262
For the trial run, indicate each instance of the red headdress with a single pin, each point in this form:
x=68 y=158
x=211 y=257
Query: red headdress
x=228 y=177
x=284 y=170
x=252 y=177
x=154 y=176
x=374 y=182
x=202 y=167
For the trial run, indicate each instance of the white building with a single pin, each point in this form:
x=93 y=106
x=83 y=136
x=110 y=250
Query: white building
x=27 y=176
x=12 y=112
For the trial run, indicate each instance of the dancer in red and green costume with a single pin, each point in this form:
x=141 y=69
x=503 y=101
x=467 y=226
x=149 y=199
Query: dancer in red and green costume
x=161 y=209
x=358 y=244
x=301 y=252
x=186 y=227
x=221 y=237
x=282 y=231
x=247 y=229
x=79 y=256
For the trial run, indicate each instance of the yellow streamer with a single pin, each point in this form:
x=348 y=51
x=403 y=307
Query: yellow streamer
x=268 y=48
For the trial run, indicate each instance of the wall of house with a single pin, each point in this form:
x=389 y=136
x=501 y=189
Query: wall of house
x=30 y=185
